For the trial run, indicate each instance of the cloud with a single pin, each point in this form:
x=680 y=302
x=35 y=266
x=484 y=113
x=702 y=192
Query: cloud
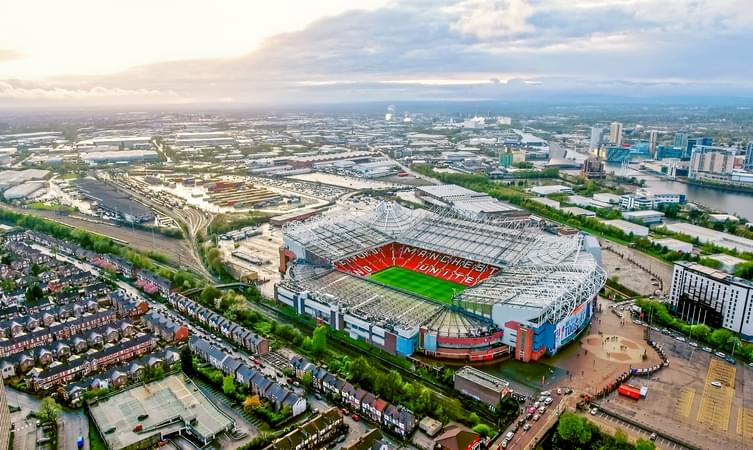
x=460 y=49
x=10 y=55
x=493 y=19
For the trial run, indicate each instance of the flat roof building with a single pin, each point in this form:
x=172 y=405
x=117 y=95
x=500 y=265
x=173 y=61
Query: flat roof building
x=481 y=386
x=644 y=216
x=142 y=416
x=628 y=227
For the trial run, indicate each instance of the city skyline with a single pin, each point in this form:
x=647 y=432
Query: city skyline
x=230 y=54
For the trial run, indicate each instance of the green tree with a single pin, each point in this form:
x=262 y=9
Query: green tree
x=208 y=294
x=307 y=379
x=33 y=293
x=228 y=385
x=720 y=337
x=572 y=428
x=644 y=444
x=48 y=411
x=186 y=360
x=319 y=340
x=483 y=429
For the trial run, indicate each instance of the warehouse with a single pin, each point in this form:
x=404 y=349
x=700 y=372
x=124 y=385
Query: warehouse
x=113 y=202
x=10 y=178
x=644 y=216
x=628 y=227
x=122 y=157
x=26 y=191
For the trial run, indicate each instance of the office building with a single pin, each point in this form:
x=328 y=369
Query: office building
x=680 y=141
x=615 y=133
x=700 y=294
x=595 y=139
x=711 y=163
x=652 y=135
x=481 y=386
x=693 y=142
x=749 y=157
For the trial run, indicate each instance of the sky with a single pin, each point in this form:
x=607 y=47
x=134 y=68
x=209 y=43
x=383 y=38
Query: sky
x=86 y=52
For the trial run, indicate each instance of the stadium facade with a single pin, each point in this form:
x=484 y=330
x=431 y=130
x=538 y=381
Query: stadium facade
x=515 y=287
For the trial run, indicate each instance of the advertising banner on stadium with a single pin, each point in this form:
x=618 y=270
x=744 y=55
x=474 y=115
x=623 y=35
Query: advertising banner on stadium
x=570 y=325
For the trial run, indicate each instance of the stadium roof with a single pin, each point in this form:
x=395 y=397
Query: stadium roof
x=499 y=242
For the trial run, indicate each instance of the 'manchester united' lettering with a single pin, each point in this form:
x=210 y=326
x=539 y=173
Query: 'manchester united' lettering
x=440 y=265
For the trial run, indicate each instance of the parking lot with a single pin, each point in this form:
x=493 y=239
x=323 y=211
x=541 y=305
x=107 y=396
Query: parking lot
x=700 y=397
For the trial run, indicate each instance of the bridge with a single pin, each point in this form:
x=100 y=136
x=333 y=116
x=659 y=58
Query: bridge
x=193 y=291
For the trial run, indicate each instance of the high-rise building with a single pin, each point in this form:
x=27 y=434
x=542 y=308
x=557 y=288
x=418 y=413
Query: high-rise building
x=595 y=139
x=708 y=162
x=681 y=140
x=696 y=141
x=652 y=135
x=615 y=133
x=749 y=157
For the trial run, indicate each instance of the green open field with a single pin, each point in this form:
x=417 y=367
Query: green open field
x=418 y=283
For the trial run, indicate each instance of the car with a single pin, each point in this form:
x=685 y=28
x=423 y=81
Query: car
x=536 y=405
x=594 y=411
x=716 y=383
x=521 y=422
x=750 y=364
x=637 y=322
x=548 y=401
x=731 y=360
x=559 y=391
x=546 y=393
x=542 y=398
x=526 y=427
x=665 y=331
x=536 y=417
x=529 y=416
x=653 y=436
x=720 y=354
x=707 y=349
x=318 y=396
x=693 y=344
x=504 y=443
x=355 y=417
x=514 y=428
x=680 y=338
x=542 y=409
x=341 y=438
x=509 y=435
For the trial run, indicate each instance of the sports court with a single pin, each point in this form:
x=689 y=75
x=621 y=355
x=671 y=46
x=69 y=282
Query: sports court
x=418 y=283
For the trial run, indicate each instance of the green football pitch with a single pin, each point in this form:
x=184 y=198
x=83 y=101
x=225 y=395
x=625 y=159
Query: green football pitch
x=418 y=283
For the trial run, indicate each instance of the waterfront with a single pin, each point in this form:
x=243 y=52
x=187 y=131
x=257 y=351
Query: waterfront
x=738 y=203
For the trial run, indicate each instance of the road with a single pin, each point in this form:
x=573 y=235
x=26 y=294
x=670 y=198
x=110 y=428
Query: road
x=75 y=422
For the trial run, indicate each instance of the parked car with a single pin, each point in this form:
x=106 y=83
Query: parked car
x=548 y=401
x=594 y=411
x=731 y=360
x=707 y=349
x=536 y=417
x=526 y=427
x=720 y=354
x=355 y=417
x=504 y=443
x=559 y=391
x=693 y=344
x=653 y=436
x=716 y=383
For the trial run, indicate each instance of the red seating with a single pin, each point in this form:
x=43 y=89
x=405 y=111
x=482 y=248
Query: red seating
x=439 y=265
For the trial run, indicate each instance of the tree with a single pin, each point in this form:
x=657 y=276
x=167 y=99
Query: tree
x=251 y=402
x=319 y=340
x=186 y=360
x=208 y=294
x=620 y=436
x=573 y=428
x=228 y=385
x=307 y=379
x=483 y=429
x=720 y=337
x=33 y=293
x=643 y=444
x=48 y=410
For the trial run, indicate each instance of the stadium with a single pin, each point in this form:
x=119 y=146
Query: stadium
x=438 y=283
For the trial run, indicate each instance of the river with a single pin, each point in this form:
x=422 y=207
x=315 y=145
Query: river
x=738 y=203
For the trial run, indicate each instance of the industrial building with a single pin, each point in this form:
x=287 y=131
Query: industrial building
x=26 y=191
x=112 y=201
x=700 y=294
x=628 y=227
x=119 y=157
x=645 y=216
x=481 y=386
x=467 y=202
x=10 y=178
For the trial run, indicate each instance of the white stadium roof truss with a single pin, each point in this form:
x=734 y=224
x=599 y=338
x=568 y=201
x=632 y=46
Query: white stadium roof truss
x=541 y=272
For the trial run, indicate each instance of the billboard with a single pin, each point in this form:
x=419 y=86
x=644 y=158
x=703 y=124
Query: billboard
x=570 y=325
